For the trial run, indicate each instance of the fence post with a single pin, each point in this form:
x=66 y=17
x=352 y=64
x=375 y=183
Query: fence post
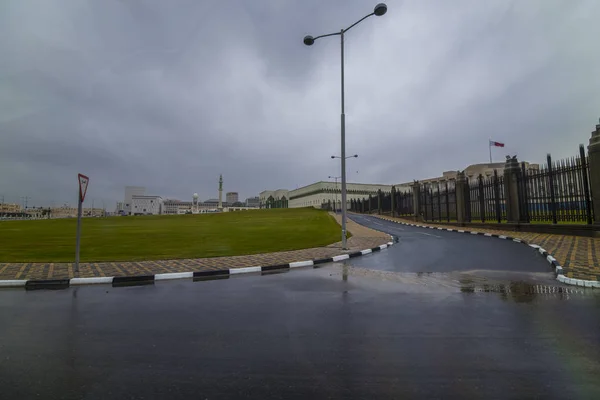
x=393 y=202
x=552 y=191
x=370 y=207
x=379 y=200
x=594 y=169
x=481 y=198
x=447 y=204
x=416 y=188
x=497 y=196
x=511 y=190
x=459 y=192
x=523 y=196
x=439 y=198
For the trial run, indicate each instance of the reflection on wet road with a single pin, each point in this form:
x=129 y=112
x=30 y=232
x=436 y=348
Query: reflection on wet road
x=425 y=250
x=515 y=283
x=333 y=332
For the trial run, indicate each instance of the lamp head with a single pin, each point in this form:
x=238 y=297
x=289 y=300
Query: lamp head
x=379 y=10
x=309 y=40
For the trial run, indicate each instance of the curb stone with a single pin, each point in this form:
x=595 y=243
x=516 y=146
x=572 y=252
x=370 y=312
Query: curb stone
x=137 y=280
x=558 y=269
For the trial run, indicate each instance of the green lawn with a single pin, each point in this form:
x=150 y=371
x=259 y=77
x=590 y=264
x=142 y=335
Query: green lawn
x=167 y=237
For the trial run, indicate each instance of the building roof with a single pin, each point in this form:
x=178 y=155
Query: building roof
x=143 y=196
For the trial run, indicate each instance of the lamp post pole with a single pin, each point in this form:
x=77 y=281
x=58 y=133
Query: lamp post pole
x=343 y=145
x=379 y=10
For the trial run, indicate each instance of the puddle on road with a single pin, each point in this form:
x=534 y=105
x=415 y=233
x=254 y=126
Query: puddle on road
x=516 y=286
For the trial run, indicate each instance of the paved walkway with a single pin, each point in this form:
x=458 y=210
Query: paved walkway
x=362 y=238
x=579 y=256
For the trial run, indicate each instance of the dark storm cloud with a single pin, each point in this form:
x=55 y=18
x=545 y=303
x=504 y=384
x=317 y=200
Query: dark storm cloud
x=168 y=95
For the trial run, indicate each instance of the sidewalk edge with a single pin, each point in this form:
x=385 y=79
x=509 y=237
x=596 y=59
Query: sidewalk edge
x=136 y=280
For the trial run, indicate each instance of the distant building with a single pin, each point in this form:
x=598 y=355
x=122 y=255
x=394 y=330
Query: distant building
x=212 y=202
x=64 y=212
x=172 y=206
x=328 y=194
x=231 y=197
x=473 y=171
x=274 y=198
x=131 y=191
x=10 y=208
x=146 y=205
x=253 y=202
x=324 y=193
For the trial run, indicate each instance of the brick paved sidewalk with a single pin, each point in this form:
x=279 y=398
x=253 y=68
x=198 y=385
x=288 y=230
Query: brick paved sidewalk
x=579 y=256
x=363 y=238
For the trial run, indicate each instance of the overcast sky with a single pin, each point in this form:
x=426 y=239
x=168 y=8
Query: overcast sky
x=169 y=94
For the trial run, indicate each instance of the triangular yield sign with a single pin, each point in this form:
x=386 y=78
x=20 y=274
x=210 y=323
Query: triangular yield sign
x=83 y=184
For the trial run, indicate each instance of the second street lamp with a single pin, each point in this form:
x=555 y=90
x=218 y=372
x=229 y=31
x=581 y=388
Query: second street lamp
x=335 y=191
x=379 y=10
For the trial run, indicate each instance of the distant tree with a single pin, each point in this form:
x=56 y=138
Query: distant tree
x=237 y=204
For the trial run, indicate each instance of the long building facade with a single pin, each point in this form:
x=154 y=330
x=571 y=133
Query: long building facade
x=328 y=194
x=146 y=205
x=274 y=198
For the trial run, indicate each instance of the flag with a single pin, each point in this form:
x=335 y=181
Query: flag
x=497 y=144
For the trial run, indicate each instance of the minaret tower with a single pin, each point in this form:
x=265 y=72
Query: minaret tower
x=221 y=192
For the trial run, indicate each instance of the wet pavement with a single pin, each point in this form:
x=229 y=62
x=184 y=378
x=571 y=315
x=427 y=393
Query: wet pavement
x=432 y=250
x=336 y=332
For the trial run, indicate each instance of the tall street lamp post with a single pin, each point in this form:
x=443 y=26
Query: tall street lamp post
x=379 y=10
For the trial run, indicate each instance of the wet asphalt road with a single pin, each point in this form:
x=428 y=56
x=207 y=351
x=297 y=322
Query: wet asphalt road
x=334 y=332
x=432 y=250
x=438 y=315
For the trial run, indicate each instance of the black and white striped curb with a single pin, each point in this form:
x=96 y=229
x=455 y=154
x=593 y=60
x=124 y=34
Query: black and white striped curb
x=119 y=281
x=558 y=270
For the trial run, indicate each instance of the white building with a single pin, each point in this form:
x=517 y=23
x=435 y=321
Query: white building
x=322 y=193
x=131 y=191
x=231 y=197
x=146 y=205
x=172 y=207
x=253 y=202
x=274 y=198
x=473 y=171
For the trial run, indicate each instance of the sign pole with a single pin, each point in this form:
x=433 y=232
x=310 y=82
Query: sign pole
x=83 y=184
x=79 y=210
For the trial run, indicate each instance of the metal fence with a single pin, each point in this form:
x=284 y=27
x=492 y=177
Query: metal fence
x=438 y=201
x=557 y=192
x=404 y=204
x=362 y=206
x=485 y=199
x=386 y=202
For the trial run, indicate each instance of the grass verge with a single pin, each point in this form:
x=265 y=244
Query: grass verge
x=167 y=236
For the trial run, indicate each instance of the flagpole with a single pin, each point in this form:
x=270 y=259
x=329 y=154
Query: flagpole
x=490 y=146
